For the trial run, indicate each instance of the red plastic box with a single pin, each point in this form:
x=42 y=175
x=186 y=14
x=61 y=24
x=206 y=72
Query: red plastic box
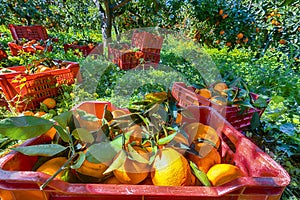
x=28 y=93
x=265 y=179
x=36 y=32
x=147 y=42
x=186 y=96
x=127 y=59
x=85 y=49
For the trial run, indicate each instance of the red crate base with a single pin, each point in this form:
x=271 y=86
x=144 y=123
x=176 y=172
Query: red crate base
x=37 y=86
x=186 y=96
x=264 y=178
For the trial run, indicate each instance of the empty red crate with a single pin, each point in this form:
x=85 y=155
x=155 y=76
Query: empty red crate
x=186 y=96
x=34 y=88
x=146 y=41
x=127 y=59
x=36 y=32
x=264 y=178
x=85 y=49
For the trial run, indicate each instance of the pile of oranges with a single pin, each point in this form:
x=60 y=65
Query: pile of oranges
x=149 y=147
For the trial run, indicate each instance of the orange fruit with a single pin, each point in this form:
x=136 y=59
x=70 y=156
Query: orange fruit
x=198 y=131
x=39 y=113
x=178 y=118
x=220 y=87
x=221 y=12
x=27 y=113
x=222 y=32
x=170 y=168
x=49 y=102
x=228 y=44
x=257 y=30
x=92 y=169
x=282 y=41
x=51 y=166
x=245 y=40
x=132 y=171
x=44 y=69
x=224 y=16
x=204 y=92
x=218 y=42
x=219 y=100
x=223 y=173
x=205 y=162
x=112 y=180
x=240 y=35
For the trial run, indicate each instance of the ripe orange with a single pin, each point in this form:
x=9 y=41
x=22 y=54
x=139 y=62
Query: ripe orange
x=204 y=92
x=112 y=180
x=49 y=102
x=222 y=32
x=219 y=100
x=282 y=41
x=245 y=40
x=220 y=87
x=221 y=12
x=92 y=169
x=198 y=131
x=170 y=168
x=228 y=44
x=39 y=113
x=205 y=162
x=223 y=173
x=240 y=35
x=27 y=113
x=224 y=16
x=132 y=171
x=51 y=166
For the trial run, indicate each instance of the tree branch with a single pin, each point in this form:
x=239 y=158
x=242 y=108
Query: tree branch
x=119 y=5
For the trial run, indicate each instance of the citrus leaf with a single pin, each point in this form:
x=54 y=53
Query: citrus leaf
x=116 y=164
x=63 y=119
x=260 y=102
x=166 y=139
x=81 y=158
x=134 y=155
x=62 y=133
x=41 y=149
x=255 y=122
x=83 y=135
x=202 y=177
x=24 y=127
x=103 y=151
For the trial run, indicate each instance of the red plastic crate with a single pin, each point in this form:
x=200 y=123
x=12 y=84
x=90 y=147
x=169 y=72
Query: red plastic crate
x=186 y=96
x=37 y=86
x=265 y=179
x=128 y=59
x=36 y=32
x=3 y=54
x=85 y=49
x=14 y=48
x=146 y=41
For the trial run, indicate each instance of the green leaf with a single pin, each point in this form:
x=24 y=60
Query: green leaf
x=41 y=149
x=63 y=119
x=288 y=128
x=24 y=127
x=202 y=177
x=81 y=158
x=260 y=102
x=116 y=164
x=278 y=99
x=63 y=133
x=103 y=152
x=255 y=122
x=134 y=155
x=83 y=135
x=166 y=139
